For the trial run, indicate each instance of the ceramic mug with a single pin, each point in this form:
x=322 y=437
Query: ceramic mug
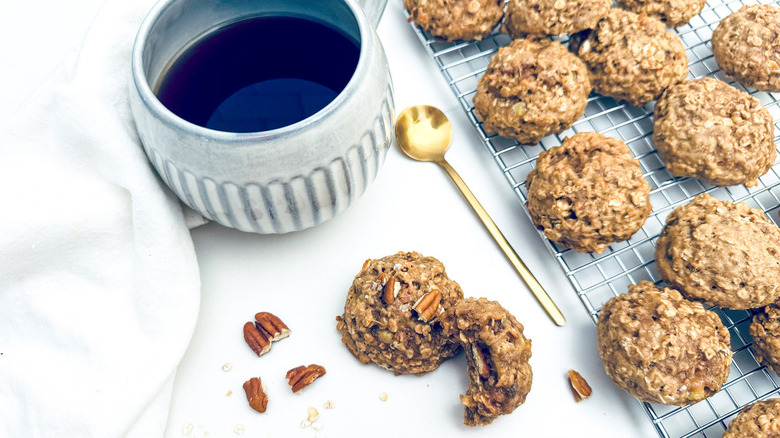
x=275 y=181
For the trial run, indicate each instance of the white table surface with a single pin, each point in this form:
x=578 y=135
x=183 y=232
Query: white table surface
x=303 y=278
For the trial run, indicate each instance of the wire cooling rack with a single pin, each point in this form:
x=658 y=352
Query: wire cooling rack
x=599 y=277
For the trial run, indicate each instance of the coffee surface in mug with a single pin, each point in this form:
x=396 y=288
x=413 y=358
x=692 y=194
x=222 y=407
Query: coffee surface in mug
x=259 y=74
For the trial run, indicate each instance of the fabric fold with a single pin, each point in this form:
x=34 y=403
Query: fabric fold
x=99 y=283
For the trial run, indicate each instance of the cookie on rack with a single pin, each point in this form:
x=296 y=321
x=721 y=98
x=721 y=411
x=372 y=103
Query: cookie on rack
x=758 y=420
x=497 y=353
x=545 y=17
x=765 y=330
x=746 y=45
x=674 y=13
x=707 y=129
x=588 y=193
x=723 y=253
x=631 y=57
x=456 y=20
x=661 y=348
x=391 y=315
x=531 y=89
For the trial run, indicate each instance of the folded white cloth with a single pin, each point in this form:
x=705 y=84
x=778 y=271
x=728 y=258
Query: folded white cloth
x=99 y=284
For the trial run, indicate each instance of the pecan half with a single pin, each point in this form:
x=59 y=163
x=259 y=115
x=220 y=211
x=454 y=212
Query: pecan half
x=272 y=325
x=255 y=394
x=427 y=305
x=267 y=328
x=302 y=376
x=579 y=387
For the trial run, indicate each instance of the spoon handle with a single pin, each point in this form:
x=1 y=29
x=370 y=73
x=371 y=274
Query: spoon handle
x=531 y=281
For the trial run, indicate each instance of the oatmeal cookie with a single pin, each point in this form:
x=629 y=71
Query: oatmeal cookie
x=497 y=354
x=456 y=20
x=709 y=130
x=674 y=13
x=758 y=420
x=662 y=348
x=765 y=330
x=532 y=88
x=631 y=57
x=722 y=253
x=588 y=193
x=545 y=17
x=746 y=45
x=386 y=319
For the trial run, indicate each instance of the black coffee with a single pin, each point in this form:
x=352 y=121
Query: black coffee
x=259 y=74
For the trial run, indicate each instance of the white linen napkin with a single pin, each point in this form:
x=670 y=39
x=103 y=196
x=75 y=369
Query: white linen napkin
x=99 y=284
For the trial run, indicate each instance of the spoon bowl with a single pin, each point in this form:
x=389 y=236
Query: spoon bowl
x=424 y=133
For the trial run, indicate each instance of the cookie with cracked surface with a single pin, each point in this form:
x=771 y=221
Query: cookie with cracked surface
x=674 y=13
x=497 y=353
x=746 y=45
x=588 y=193
x=723 y=253
x=661 y=348
x=531 y=89
x=545 y=17
x=765 y=330
x=758 y=420
x=391 y=314
x=707 y=129
x=632 y=58
x=456 y=20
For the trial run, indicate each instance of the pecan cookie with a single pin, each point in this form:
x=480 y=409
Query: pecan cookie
x=455 y=20
x=588 y=193
x=722 y=253
x=709 y=130
x=661 y=348
x=759 y=420
x=631 y=57
x=391 y=315
x=532 y=88
x=497 y=353
x=556 y=17
x=746 y=45
x=765 y=330
x=674 y=13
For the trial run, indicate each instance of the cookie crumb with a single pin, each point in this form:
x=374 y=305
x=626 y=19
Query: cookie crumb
x=316 y=426
x=383 y=396
x=186 y=429
x=227 y=367
x=305 y=424
x=329 y=404
x=229 y=393
x=239 y=429
x=313 y=414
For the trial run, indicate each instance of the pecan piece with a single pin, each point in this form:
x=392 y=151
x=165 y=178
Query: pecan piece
x=579 y=387
x=388 y=292
x=302 y=376
x=427 y=305
x=255 y=394
x=256 y=341
x=483 y=367
x=267 y=328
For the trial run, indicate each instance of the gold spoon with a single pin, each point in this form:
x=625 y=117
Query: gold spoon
x=424 y=134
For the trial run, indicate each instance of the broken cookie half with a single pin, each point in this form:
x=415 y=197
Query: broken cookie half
x=497 y=352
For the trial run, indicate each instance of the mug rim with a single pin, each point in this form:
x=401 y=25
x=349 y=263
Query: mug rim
x=171 y=119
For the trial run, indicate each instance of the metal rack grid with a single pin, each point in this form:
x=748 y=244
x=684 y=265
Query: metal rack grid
x=599 y=277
